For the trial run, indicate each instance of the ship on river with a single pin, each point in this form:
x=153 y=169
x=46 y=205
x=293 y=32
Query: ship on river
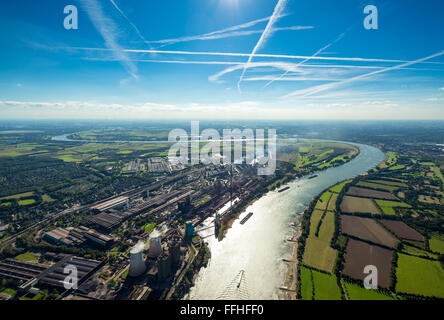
x=248 y=216
x=284 y=189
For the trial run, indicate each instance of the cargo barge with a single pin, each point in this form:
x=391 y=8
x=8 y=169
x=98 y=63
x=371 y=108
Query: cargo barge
x=248 y=216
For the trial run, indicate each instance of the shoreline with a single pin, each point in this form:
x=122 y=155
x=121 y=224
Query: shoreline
x=288 y=290
x=291 y=275
x=228 y=222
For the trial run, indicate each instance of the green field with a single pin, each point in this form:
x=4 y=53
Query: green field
x=338 y=188
x=391 y=160
x=438 y=173
x=325 y=286
x=19 y=195
x=397 y=167
x=47 y=198
x=319 y=254
x=418 y=252
x=387 y=206
x=419 y=276
x=356 y=292
x=27 y=256
x=26 y=202
x=327 y=227
x=314 y=221
x=323 y=200
x=390 y=183
x=306 y=284
x=436 y=243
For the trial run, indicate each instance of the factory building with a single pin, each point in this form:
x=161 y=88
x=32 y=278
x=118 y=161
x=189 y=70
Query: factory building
x=30 y=274
x=110 y=204
x=78 y=236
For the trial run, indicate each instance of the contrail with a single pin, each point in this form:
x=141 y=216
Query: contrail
x=265 y=35
x=108 y=30
x=320 y=88
x=129 y=21
x=221 y=35
x=307 y=59
x=233 y=54
x=213 y=33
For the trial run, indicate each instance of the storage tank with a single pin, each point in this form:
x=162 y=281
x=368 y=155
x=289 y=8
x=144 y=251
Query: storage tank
x=137 y=266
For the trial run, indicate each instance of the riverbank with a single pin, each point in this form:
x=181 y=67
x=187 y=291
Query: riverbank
x=259 y=246
x=292 y=275
x=272 y=185
x=289 y=286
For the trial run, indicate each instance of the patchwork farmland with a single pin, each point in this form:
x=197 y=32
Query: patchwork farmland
x=403 y=231
x=361 y=205
x=391 y=218
x=360 y=254
x=369 y=193
x=367 y=229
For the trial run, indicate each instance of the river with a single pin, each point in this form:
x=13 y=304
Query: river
x=258 y=246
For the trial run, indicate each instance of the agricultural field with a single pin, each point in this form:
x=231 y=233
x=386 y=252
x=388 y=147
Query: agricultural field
x=332 y=202
x=338 y=187
x=319 y=254
x=402 y=231
x=377 y=186
x=323 y=154
x=306 y=283
x=314 y=221
x=429 y=199
x=325 y=286
x=356 y=292
x=391 y=160
x=367 y=229
x=389 y=182
x=369 y=193
x=419 y=276
x=360 y=254
x=323 y=201
x=19 y=196
x=387 y=207
x=327 y=227
x=353 y=204
x=436 y=243
x=26 y=202
x=364 y=241
x=418 y=252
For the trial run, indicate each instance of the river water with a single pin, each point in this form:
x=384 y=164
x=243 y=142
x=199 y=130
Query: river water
x=258 y=246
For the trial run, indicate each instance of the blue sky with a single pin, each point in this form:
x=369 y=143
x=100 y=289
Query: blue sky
x=222 y=59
